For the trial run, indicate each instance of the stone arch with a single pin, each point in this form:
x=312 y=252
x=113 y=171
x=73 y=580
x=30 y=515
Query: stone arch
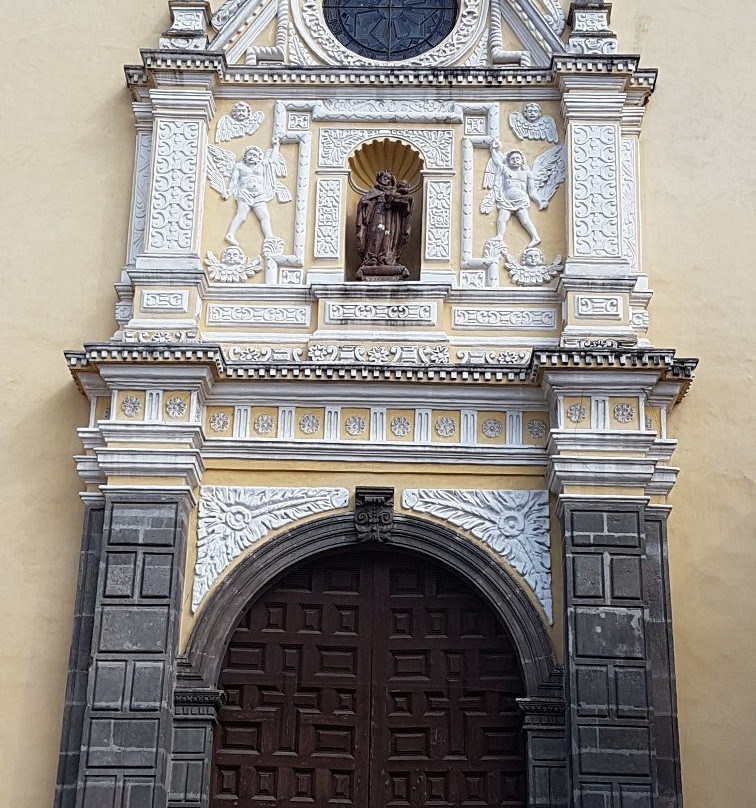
x=216 y=621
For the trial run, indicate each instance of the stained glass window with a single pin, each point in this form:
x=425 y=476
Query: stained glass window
x=390 y=30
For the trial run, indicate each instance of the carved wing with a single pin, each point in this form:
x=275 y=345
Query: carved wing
x=254 y=122
x=489 y=178
x=519 y=125
x=510 y=264
x=211 y=261
x=220 y=164
x=546 y=128
x=275 y=160
x=549 y=172
x=555 y=265
x=225 y=129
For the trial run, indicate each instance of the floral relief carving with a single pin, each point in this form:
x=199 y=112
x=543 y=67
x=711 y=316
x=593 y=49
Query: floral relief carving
x=436 y=145
x=438 y=221
x=624 y=413
x=576 y=413
x=219 y=422
x=232 y=518
x=354 y=425
x=630 y=223
x=175 y=186
x=594 y=184
x=400 y=426
x=328 y=218
x=537 y=428
x=263 y=424
x=309 y=424
x=176 y=407
x=130 y=406
x=514 y=524
x=492 y=427
x=445 y=427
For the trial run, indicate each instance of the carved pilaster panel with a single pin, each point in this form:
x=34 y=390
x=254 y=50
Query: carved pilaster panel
x=374 y=514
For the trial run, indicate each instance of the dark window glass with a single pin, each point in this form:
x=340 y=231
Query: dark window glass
x=390 y=30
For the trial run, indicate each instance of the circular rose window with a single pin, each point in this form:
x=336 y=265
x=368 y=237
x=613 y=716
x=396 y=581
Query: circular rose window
x=390 y=30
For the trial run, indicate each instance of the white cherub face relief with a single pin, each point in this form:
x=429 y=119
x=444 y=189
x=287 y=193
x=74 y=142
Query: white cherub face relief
x=232 y=256
x=240 y=112
x=514 y=160
x=252 y=156
x=532 y=112
x=532 y=257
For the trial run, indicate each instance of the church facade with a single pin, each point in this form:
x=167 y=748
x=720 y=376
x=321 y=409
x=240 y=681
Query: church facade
x=378 y=464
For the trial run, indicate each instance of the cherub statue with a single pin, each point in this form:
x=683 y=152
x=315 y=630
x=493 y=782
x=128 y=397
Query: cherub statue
x=253 y=183
x=530 y=124
x=232 y=267
x=511 y=184
x=532 y=269
x=241 y=122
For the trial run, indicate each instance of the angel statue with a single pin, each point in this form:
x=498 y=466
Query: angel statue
x=240 y=123
x=531 y=124
x=253 y=183
x=532 y=269
x=511 y=184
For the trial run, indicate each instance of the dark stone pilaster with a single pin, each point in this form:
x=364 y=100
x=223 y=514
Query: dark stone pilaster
x=618 y=658
x=544 y=727
x=78 y=664
x=128 y=722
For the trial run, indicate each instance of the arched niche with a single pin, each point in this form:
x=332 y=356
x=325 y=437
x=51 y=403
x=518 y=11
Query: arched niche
x=406 y=163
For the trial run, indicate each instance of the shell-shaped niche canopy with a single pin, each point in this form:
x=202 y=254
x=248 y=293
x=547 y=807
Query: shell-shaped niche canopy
x=386 y=154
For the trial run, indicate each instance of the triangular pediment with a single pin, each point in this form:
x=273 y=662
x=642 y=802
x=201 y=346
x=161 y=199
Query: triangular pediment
x=487 y=33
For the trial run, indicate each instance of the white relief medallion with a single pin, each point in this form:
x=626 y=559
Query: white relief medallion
x=219 y=422
x=263 y=424
x=537 y=428
x=624 y=413
x=445 y=427
x=576 y=413
x=491 y=427
x=309 y=424
x=354 y=425
x=130 y=406
x=400 y=426
x=175 y=407
x=232 y=518
x=514 y=524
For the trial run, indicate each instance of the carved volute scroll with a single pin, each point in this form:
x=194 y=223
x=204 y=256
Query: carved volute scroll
x=374 y=514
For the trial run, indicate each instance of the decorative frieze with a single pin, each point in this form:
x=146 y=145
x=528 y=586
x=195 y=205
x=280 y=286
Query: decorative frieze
x=598 y=306
x=438 y=220
x=381 y=313
x=233 y=518
x=630 y=217
x=514 y=524
x=231 y=315
x=436 y=145
x=390 y=354
x=165 y=301
x=328 y=218
x=595 y=191
x=504 y=319
x=418 y=110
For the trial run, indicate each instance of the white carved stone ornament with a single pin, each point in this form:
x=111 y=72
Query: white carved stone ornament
x=514 y=524
x=445 y=427
x=232 y=266
x=400 y=426
x=624 y=413
x=532 y=124
x=253 y=182
x=532 y=269
x=242 y=122
x=511 y=184
x=492 y=427
x=231 y=519
x=354 y=425
x=537 y=428
x=219 y=422
x=576 y=413
x=130 y=406
x=263 y=424
x=176 y=407
x=309 y=424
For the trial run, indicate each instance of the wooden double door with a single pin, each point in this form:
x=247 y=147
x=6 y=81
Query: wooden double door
x=374 y=680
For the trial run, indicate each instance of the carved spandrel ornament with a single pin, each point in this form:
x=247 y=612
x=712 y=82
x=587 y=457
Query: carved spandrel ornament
x=384 y=221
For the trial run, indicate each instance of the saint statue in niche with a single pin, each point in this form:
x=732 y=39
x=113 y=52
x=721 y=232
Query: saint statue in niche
x=384 y=220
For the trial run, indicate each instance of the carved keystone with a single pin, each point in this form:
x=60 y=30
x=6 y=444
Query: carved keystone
x=374 y=514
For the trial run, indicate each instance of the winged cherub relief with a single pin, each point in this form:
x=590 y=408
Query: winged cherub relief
x=531 y=124
x=240 y=123
x=511 y=184
x=254 y=181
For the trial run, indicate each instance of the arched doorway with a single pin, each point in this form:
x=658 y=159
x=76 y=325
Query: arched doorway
x=369 y=678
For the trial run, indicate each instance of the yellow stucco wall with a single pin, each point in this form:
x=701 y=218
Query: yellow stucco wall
x=68 y=146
